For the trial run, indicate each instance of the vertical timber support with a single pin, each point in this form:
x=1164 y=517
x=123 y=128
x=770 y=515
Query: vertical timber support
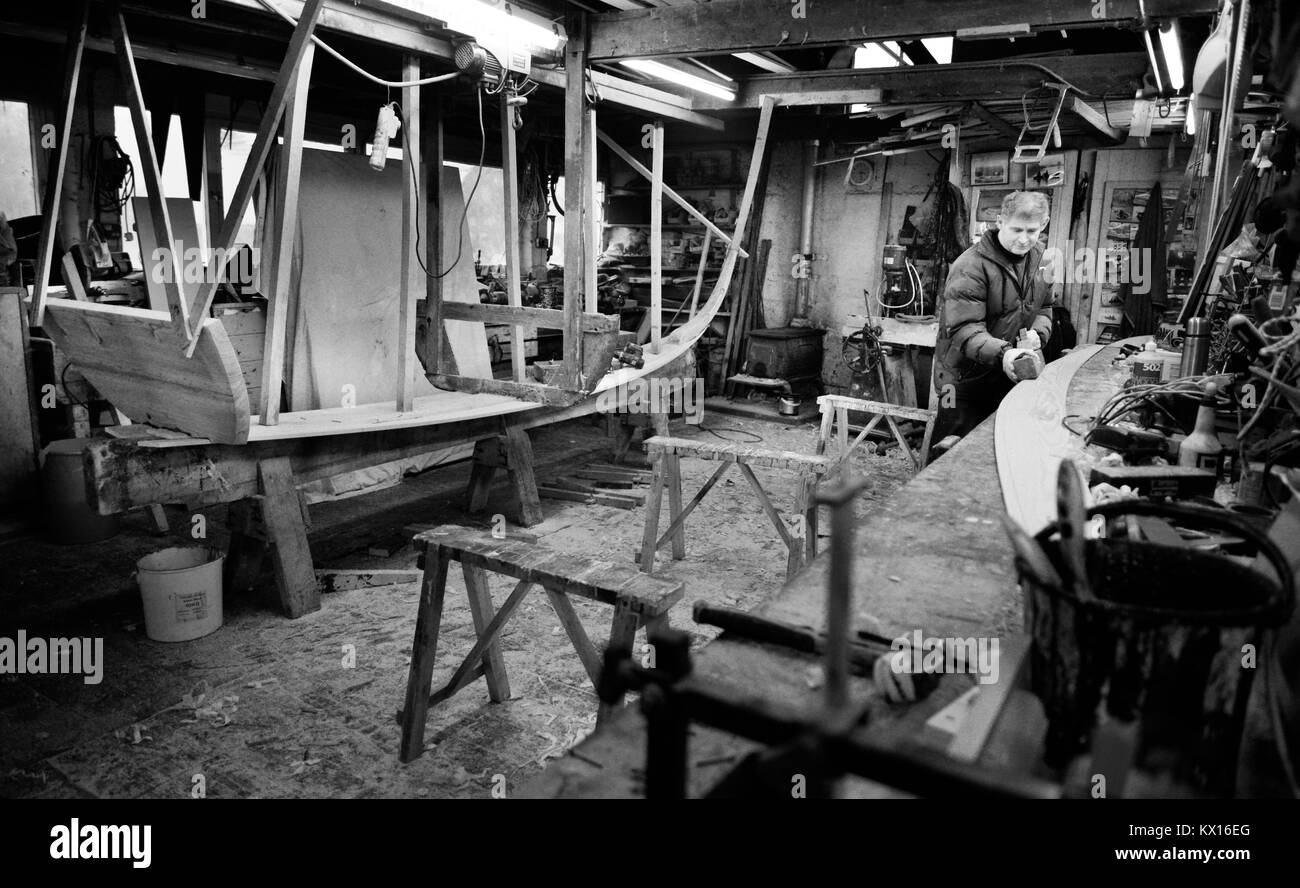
x=656 y=235
x=286 y=229
x=577 y=292
x=409 y=286
x=510 y=188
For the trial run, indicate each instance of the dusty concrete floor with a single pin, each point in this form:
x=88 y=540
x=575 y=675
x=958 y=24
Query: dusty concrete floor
x=265 y=707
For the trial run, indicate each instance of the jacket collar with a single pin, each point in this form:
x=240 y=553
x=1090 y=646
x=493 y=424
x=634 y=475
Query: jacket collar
x=990 y=249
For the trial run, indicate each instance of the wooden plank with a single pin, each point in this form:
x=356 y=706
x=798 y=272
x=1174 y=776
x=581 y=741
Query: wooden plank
x=1094 y=118
x=576 y=199
x=528 y=391
x=648 y=100
x=295 y=576
x=72 y=278
x=214 y=201
x=916 y=414
x=488 y=625
x=656 y=233
x=185 y=236
x=225 y=240
x=609 y=498
x=286 y=230
x=53 y=196
x=999 y=124
x=19 y=434
x=510 y=205
x=349 y=580
x=678 y=524
x=136 y=360
x=593 y=217
x=552 y=318
x=410 y=281
x=977 y=728
x=668 y=192
x=519 y=463
x=778 y=459
x=727 y=26
x=424 y=650
x=159 y=214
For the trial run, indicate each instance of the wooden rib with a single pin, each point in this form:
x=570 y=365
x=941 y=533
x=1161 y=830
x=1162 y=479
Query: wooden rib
x=656 y=233
x=223 y=244
x=158 y=214
x=54 y=185
x=286 y=201
x=409 y=286
x=510 y=189
x=668 y=192
x=699 y=274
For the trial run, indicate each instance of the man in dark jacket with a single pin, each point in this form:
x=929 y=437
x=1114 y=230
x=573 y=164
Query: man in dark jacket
x=996 y=308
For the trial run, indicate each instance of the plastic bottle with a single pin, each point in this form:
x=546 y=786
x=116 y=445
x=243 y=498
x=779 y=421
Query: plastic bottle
x=1201 y=449
x=1146 y=367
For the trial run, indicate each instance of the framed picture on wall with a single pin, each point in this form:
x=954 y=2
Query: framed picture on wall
x=990 y=168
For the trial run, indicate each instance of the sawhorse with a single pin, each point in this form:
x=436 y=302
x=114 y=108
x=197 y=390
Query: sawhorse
x=835 y=411
x=638 y=600
x=665 y=453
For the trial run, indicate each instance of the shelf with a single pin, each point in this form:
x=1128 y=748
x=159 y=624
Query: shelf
x=667 y=226
x=645 y=189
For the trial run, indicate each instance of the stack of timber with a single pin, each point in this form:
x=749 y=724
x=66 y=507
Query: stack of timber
x=600 y=483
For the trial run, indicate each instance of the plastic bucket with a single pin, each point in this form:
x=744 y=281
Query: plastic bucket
x=1162 y=643
x=181 y=589
x=67 y=517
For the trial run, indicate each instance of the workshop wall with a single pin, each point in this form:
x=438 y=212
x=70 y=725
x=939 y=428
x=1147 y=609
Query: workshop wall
x=847 y=238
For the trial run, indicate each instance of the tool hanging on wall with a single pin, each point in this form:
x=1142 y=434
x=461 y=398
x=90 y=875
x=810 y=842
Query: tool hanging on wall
x=1029 y=152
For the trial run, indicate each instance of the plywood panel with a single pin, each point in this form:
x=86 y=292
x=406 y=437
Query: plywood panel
x=348 y=291
x=185 y=229
x=136 y=359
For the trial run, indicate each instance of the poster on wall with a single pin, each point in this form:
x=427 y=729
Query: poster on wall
x=990 y=168
x=1048 y=172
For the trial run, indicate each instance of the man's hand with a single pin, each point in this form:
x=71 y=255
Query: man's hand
x=1031 y=340
x=1011 y=355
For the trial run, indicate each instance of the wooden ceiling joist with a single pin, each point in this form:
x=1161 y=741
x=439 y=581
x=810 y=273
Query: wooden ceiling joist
x=937 y=84
x=725 y=26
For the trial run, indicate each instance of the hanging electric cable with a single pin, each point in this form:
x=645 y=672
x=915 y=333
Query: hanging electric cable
x=392 y=84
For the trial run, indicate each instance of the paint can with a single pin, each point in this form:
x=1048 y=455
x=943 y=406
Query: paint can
x=181 y=591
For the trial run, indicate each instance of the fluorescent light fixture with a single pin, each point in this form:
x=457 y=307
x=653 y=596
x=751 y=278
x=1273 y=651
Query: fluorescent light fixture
x=767 y=63
x=1155 y=62
x=714 y=71
x=1190 y=125
x=681 y=78
x=1172 y=48
x=474 y=18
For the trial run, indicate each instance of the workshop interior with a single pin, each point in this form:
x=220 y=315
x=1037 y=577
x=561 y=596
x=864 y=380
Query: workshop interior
x=649 y=399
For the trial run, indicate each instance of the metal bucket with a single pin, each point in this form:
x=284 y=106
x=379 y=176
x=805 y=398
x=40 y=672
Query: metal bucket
x=1164 y=643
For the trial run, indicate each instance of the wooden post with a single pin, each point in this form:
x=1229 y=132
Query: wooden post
x=656 y=234
x=295 y=575
x=54 y=187
x=158 y=214
x=286 y=229
x=510 y=189
x=431 y=131
x=424 y=650
x=225 y=241
x=410 y=281
x=575 y=198
x=214 y=198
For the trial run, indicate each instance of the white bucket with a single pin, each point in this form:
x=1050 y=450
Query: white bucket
x=181 y=588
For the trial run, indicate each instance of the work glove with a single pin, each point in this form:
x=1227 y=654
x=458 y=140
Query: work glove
x=1009 y=358
x=1031 y=340
x=895 y=684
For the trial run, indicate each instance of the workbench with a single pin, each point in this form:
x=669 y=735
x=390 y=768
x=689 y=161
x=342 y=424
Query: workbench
x=934 y=557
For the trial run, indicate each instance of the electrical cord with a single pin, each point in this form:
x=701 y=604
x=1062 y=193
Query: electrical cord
x=460 y=227
x=392 y=84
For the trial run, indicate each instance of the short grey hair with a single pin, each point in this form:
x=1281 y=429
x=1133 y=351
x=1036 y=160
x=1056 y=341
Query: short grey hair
x=1026 y=203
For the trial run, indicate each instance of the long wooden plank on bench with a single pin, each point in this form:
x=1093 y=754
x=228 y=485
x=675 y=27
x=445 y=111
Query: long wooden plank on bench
x=136 y=359
x=753 y=456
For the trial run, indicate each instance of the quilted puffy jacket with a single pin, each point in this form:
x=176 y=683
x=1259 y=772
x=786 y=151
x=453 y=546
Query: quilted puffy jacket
x=984 y=306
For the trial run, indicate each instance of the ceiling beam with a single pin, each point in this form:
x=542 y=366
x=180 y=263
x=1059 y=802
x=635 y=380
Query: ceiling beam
x=977 y=81
x=725 y=26
x=996 y=121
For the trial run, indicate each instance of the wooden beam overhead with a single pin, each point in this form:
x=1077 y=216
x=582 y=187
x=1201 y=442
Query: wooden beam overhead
x=998 y=123
x=916 y=84
x=1094 y=118
x=725 y=26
